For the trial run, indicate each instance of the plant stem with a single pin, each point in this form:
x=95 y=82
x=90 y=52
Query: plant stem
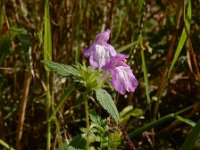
x=48 y=107
x=86 y=111
x=22 y=111
x=86 y=118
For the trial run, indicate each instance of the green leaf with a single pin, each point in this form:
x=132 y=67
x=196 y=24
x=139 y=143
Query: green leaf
x=95 y=118
x=61 y=69
x=129 y=111
x=105 y=100
x=191 y=138
x=126 y=110
x=97 y=121
x=140 y=5
x=89 y=77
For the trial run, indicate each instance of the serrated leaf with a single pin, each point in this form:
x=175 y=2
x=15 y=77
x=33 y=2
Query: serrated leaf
x=97 y=121
x=105 y=100
x=61 y=69
x=94 y=117
x=89 y=77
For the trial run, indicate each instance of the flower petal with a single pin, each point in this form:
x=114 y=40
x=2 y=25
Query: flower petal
x=100 y=52
x=99 y=57
x=123 y=80
x=117 y=60
x=103 y=37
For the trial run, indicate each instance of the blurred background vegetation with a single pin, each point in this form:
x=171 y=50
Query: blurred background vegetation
x=161 y=37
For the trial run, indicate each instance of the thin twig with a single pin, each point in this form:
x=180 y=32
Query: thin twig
x=22 y=111
x=127 y=138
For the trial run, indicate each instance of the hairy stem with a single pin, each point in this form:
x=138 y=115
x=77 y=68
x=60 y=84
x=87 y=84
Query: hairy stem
x=86 y=118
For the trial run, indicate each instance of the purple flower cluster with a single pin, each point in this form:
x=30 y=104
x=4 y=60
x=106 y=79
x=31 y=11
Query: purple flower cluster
x=103 y=56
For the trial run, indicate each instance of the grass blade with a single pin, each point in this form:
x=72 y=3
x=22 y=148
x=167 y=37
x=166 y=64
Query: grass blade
x=47 y=56
x=6 y=145
x=155 y=123
x=151 y=125
x=182 y=38
x=126 y=47
x=145 y=73
x=47 y=33
x=191 y=138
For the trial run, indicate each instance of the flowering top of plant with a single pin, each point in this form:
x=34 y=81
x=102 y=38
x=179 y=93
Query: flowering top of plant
x=103 y=56
x=100 y=52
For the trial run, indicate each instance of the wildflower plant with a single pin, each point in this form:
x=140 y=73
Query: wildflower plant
x=107 y=66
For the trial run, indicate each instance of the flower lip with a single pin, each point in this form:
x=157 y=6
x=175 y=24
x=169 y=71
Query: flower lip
x=122 y=77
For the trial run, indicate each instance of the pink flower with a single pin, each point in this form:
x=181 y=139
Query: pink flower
x=103 y=56
x=100 y=52
x=122 y=77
